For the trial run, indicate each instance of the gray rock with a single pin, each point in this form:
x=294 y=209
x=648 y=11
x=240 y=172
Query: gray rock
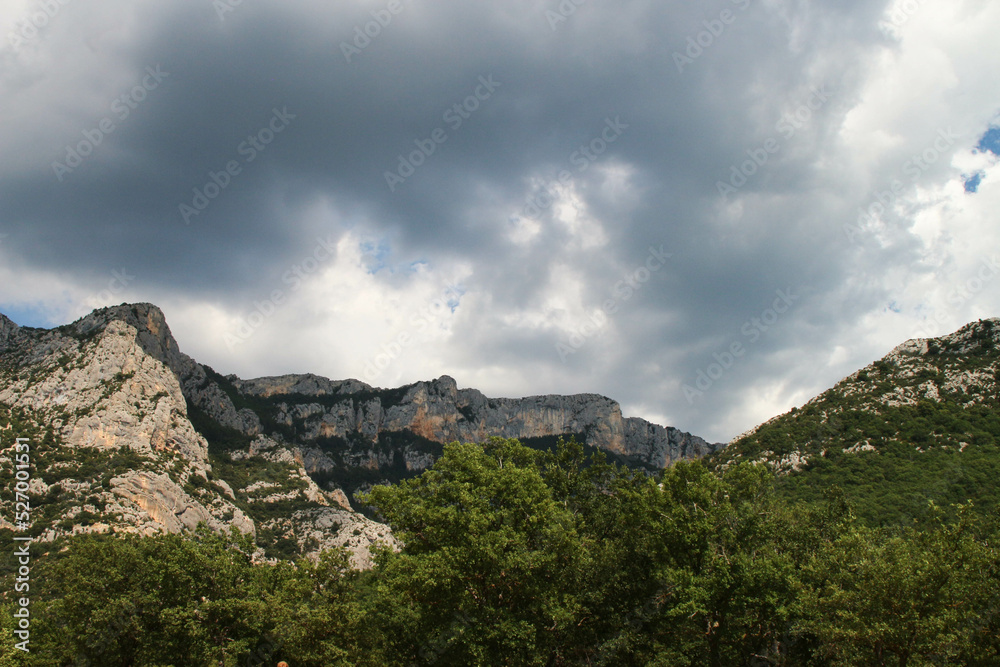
x=117 y=379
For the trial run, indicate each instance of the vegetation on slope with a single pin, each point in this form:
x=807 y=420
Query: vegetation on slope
x=520 y=557
x=916 y=427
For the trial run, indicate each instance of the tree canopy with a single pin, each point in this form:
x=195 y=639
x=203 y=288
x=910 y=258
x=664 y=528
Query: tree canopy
x=514 y=556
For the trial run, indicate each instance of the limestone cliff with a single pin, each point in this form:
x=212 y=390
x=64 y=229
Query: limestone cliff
x=437 y=411
x=104 y=403
x=141 y=437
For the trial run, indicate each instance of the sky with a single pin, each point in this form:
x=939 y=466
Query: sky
x=709 y=212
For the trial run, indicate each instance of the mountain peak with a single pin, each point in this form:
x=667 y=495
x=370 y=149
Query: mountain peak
x=9 y=331
x=143 y=316
x=282 y=454
x=153 y=333
x=976 y=338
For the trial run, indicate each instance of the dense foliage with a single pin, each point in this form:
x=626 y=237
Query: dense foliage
x=516 y=556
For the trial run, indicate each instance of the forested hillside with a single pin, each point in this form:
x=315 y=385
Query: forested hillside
x=519 y=557
x=920 y=425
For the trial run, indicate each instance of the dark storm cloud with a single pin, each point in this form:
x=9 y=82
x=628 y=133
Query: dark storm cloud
x=349 y=105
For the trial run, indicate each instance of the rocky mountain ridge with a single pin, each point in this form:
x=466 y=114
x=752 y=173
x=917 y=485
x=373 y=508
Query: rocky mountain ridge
x=927 y=393
x=132 y=434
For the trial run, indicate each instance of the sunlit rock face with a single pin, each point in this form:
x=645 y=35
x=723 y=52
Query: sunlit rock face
x=142 y=438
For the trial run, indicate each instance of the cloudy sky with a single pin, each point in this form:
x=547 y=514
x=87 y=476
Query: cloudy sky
x=708 y=211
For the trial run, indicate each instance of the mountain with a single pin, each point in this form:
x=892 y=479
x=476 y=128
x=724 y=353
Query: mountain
x=921 y=424
x=130 y=434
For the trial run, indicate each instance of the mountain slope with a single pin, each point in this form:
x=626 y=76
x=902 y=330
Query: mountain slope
x=129 y=433
x=113 y=449
x=921 y=424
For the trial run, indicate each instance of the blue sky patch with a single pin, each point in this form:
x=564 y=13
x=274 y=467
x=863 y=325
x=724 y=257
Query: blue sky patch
x=972 y=182
x=990 y=141
x=30 y=316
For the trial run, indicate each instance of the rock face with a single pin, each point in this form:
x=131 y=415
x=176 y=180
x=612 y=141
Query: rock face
x=104 y=393
x=134 y=435
x=105 y=402
x=438 y=411
x=168 y=506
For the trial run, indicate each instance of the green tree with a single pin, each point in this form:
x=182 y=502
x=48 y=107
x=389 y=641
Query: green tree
x=486 y=574
x=728 y=553
x=913 y=597
x=10 y=656
x=318 y=619
x=144 y=601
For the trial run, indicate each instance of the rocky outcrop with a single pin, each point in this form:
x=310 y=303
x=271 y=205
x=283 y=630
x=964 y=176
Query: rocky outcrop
x=10 y=333
x=315 y=530
x=662 y=446
x=307 y=385
x=926 y=394
x=106 y=393
x=101 y=392
x=116 y=381
x=963 y=363
x=440 y=412
x=166 y=506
